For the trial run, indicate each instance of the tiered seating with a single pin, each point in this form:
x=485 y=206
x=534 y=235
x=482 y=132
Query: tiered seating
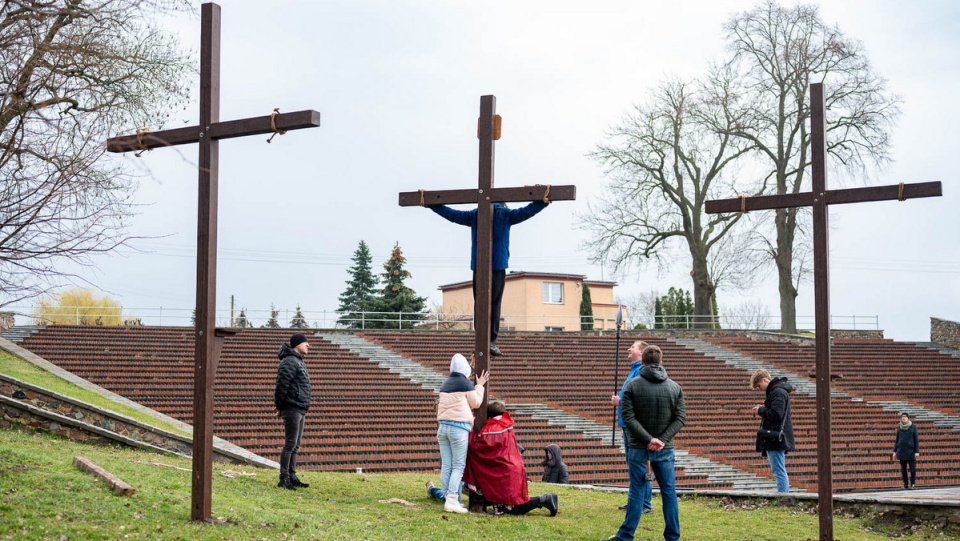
x=575 y=373
x=362 y=415
x=873 y=369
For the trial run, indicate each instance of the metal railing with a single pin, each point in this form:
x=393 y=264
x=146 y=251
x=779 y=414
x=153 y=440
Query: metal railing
x=332 y=319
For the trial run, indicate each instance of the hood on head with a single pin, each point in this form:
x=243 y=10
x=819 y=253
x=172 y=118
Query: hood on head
x=554 y=449
x=459 y=364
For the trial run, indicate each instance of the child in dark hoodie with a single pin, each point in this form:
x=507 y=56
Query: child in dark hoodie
x=554 y=470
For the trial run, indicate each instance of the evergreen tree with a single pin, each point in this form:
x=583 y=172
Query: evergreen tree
x=586 y=310
x=242 y=321
x=298 y=321
x=672 y=309
x=360 y=294
x=396 y=297
x=272 y=323
x=658 y=314
x=193 y=318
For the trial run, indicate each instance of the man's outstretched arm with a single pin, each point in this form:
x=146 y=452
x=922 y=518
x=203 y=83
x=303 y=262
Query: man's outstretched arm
x=525 y=213
x=462 y=217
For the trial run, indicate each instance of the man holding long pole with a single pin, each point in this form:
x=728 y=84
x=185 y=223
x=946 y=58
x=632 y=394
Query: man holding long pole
x=634 y=356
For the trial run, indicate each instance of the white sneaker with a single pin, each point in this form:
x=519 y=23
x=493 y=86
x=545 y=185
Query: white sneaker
x=452 y=505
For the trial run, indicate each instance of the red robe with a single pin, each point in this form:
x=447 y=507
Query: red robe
x=494 y=465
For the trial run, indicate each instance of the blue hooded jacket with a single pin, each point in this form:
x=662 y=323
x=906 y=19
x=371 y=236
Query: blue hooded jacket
x=634 y=372
x=503 y=218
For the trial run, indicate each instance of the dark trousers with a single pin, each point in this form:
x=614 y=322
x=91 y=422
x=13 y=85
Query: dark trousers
x=497 y=281
x=913 y=471
x=293 y=434
x=524 y=508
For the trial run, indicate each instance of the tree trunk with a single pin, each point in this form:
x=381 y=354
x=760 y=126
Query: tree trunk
x=786 y=225
x=703 y=290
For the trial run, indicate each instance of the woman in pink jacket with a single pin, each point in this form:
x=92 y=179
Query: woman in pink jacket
x=458 y=398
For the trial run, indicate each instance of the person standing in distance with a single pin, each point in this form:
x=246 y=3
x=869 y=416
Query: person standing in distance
x=292 y=399
x=775 y=416
x=906 y=448
x=503 y=219
x=654 y=411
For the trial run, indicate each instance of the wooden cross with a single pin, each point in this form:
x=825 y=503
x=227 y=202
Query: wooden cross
x=208 y=133
x=488 y=131
x=819 y=199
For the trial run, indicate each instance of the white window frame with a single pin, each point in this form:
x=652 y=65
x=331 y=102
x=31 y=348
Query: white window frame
x=549 y=328
x=547 y=296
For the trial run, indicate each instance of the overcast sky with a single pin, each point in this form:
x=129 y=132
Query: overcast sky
x=398 y=86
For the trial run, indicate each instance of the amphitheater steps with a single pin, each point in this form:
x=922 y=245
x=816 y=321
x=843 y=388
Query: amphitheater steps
x=809 y=388
x=19 y=333
x=431 y=379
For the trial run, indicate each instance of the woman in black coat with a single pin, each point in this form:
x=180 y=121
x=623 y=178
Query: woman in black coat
x=906 y=448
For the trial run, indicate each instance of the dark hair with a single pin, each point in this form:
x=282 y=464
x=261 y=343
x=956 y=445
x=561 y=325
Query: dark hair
x=652 y=355
x=496 y=407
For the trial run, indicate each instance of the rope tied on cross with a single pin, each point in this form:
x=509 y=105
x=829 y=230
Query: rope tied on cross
x=273 y=124
x=743 y=204
x=140 y=133
x=900 y=192
x=422 y=191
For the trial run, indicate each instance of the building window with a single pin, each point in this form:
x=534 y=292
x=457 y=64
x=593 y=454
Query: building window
x=553 y=329
x=552 y=293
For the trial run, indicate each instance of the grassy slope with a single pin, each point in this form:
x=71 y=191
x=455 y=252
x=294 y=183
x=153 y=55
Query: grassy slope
x=45 y=497
x=25 y=371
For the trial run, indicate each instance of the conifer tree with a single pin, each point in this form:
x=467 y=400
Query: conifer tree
x=586 y=310
x=298 y=321
x=396 y=298
x=272 y=323
x=360 y=294
x=242 y=321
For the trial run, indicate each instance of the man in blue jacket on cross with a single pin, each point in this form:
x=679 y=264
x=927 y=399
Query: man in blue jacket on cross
x=503 y=218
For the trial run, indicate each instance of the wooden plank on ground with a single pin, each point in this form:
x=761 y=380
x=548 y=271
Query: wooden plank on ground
x=116 y=485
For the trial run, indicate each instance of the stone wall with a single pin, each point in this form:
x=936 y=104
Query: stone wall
x=6 y=320
x=945 y=332
x=86 y=414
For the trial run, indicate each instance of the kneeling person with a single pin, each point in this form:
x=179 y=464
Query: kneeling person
x=495 y=467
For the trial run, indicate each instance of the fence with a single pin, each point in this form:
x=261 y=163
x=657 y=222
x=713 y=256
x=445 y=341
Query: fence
x=331 y=319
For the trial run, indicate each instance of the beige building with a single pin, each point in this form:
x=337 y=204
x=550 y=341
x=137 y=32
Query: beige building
x=537 y=301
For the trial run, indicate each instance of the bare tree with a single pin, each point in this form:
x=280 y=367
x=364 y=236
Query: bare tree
x=640 y=307
x=664 y=161
x=749 y=315
x=777 y=52
x=72 y=74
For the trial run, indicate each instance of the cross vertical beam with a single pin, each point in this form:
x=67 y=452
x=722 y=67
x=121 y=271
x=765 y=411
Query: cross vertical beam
x=205 y=357
x=821 y=286
x=483 y=276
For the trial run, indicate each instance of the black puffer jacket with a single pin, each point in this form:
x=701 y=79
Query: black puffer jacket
x=293 y=382
x=554 y=470
x=907 y=444
x=653 y=407
x=774 y=413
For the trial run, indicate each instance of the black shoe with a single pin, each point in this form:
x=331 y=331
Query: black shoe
x=295 y=481
x=623 y=507
x=913 y=487
x=285 y=483
x=495 y=350
x=647 y=510
x=614 y=538
x=551 y=502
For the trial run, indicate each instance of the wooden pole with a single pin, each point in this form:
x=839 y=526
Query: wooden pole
x=483 y=272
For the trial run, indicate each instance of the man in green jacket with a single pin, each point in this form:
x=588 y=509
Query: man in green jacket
x=653 y=411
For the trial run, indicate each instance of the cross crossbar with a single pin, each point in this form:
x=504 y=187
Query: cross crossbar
x=834 y=197
x=220 y=130
x=495 y=195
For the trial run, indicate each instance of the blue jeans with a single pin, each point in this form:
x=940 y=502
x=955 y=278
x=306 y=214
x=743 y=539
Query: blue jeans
x=779 y=468
x=662 y=463
x=647 y=489
x=453 y=457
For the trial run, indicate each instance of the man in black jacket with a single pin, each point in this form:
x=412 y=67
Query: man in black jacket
x=653 y=411
x=292 y=399
x=775 y=436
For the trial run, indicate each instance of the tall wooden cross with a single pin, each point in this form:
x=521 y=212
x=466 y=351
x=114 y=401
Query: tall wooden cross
x=488 y=131
x=819 y=199
x=208 y=133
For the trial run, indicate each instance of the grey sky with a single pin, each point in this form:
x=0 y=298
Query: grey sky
x=398 y=85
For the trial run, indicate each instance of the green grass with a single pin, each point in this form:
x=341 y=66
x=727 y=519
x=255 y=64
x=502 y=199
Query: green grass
x=42 y=496
x=30 y=373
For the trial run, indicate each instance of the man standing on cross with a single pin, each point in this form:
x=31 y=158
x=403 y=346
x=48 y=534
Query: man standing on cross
x=503 y=219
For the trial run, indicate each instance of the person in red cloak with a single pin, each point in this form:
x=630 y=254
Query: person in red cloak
x=495 y=467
